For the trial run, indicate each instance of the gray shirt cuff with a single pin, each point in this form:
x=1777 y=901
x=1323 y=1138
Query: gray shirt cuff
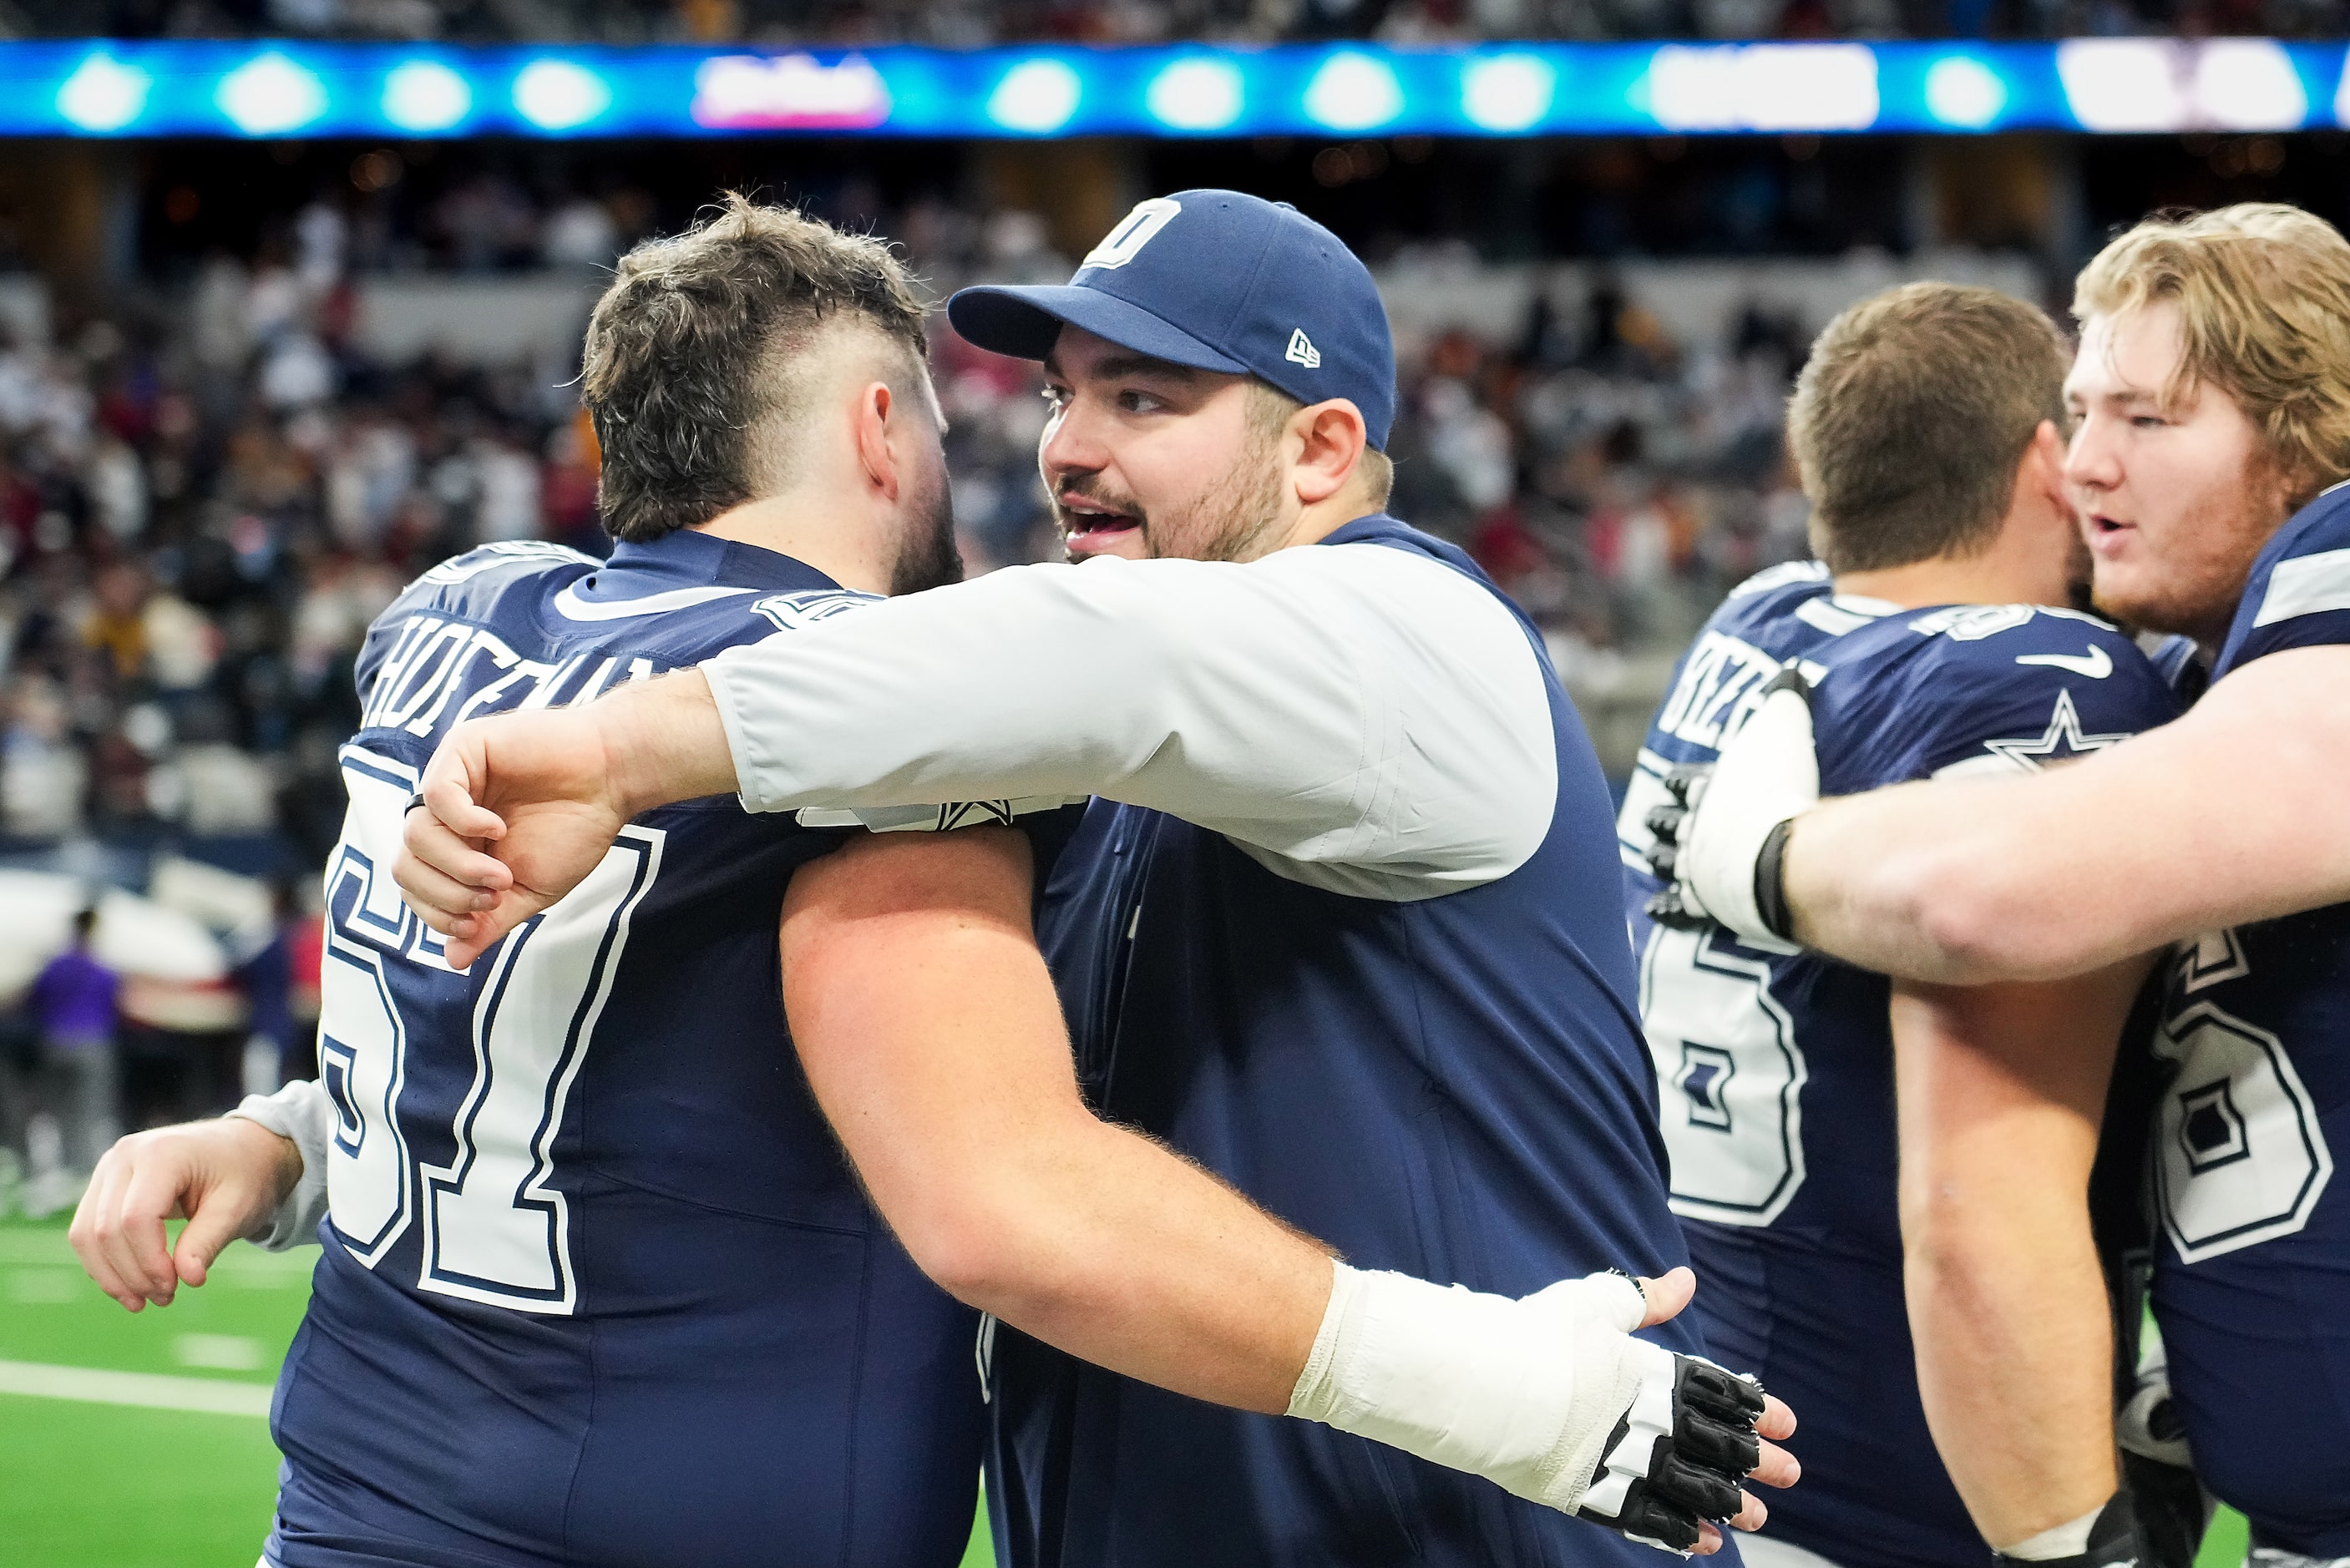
x=299 y=1111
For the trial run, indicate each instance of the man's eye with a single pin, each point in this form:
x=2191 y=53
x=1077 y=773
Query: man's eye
x=2147 y=422
x=1137 y=403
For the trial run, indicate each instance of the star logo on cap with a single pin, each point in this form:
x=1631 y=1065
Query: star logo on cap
x=1301 y=350
x=2060 y=741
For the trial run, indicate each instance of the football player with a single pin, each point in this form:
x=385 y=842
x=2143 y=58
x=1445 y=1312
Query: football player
x=597 y=1287
x=1819 y=1117
x=2212 y=396
x=1342 y=926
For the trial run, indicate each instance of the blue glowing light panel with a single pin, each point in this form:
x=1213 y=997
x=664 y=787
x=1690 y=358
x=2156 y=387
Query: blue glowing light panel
x=101 y=88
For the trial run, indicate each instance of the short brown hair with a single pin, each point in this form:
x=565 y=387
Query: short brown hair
x=681 y=361
x=1910 y=417
x=1270 y=409
x=2263 y=298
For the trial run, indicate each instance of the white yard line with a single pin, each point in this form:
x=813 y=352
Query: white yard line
x=152 y=1391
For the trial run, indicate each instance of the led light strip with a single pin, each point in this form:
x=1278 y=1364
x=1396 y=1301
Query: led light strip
x=106 y=88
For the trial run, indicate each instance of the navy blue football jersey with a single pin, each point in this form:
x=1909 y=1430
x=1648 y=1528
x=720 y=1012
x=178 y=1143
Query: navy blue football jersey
x=2251 y=1285
x=599 y=1286
x=1774 y=1067
x=1453 y=1087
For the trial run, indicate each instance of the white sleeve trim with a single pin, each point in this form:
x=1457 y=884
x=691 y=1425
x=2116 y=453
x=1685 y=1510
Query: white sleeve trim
x=299 y=1111
x=2306 y=585
x=1987 y=765
x=1355 y=717
x=936 y=818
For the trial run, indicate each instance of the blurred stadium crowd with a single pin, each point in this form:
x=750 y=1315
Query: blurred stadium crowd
x=208 y=490
x=968 y=23
x=206 y=497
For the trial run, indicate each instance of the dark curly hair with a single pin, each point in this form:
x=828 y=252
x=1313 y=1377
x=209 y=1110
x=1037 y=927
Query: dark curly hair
x=690 y=351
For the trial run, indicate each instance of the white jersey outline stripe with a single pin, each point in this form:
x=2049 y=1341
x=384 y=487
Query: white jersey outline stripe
x=2306 y=585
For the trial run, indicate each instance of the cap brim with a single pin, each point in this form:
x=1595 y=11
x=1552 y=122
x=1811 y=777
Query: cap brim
x=1026 y=321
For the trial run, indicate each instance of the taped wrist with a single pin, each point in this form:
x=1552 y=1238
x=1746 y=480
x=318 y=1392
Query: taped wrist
x=2067 y=1540
x=1526 y=1393
x=2106 y=1537
x=1729 y=865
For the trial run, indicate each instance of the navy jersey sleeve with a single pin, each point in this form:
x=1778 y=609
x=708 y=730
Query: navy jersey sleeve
x=372 y=649
x=2298 y=595
x=453 y=590
x=2006 y=688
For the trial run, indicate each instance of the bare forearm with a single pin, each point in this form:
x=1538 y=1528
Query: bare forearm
x=2226 y=816
x=1108 y=1247
x=2014 y=1362
x=933 y=1040
x=1977 y=881
x=1904 y=882
x=2000 y=1090
x=664 y=742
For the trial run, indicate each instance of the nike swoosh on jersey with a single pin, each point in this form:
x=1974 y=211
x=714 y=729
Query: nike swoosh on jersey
x=2095 y=664
x=573 y=607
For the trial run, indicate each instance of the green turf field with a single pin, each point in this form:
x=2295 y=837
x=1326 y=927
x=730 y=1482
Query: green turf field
x=85 y=1484
x=93 y=1485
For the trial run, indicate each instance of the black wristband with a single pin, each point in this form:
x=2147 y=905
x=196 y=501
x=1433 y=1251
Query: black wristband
x=413 y=801
x=1771 y=883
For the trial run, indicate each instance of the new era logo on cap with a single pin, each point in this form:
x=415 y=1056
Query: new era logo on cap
x=1301 y=350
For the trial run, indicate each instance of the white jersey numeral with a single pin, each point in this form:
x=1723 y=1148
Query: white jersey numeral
x=1730 y=1078
x=496 y=1228
x=361 y=1055
x=2239 y=1157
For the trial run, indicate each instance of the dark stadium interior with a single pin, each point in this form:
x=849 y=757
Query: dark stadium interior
x=1597 y=198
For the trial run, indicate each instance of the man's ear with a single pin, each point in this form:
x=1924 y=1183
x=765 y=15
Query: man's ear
x=1332 y=439
x=875 y=406
x=2044 y=465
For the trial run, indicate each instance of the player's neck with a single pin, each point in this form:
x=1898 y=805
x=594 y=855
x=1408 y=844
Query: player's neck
x=1992 y=578
x=830 y=534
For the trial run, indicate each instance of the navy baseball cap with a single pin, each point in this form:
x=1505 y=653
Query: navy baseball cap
x=1219 y=281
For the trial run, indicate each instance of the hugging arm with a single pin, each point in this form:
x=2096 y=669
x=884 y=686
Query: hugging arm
x=2230 y=815
x=1372 y=721
x=932 y=1037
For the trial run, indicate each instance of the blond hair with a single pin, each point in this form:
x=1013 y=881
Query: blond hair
x=1911 y=416
x=2263 y=298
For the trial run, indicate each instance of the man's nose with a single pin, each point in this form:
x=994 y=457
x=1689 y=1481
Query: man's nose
x=2093 y=459
x=1070 y=443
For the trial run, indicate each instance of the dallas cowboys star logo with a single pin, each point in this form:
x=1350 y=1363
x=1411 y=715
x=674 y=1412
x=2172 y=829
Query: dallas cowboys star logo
x=2060 y=741
x=961 y=814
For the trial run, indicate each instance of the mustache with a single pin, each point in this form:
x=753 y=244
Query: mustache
x=1087 y=488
